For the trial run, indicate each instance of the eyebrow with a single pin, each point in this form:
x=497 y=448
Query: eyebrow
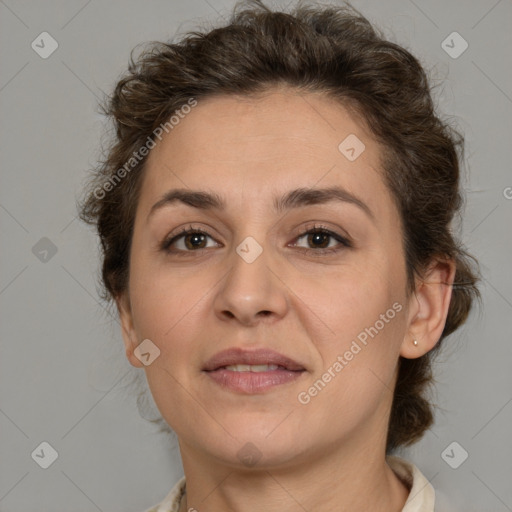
x=296 y=198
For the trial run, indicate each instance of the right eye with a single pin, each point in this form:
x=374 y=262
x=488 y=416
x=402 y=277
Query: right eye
x=190 y=239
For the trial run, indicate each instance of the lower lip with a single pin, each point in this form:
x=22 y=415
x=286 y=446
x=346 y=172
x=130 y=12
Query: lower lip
x=252 y=382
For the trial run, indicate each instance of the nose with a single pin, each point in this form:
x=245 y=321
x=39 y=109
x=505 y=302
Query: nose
x=251 y=291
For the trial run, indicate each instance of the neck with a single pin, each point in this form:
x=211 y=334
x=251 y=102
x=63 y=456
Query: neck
x=353 y=477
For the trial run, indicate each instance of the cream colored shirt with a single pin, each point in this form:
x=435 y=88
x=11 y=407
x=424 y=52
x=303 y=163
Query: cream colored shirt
x=421 y=494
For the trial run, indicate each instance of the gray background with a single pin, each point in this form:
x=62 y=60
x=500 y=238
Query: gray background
x=63 y=375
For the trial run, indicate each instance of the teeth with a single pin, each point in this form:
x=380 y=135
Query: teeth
x=251 y=367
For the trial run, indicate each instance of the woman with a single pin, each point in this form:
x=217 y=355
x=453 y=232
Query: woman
x=275 y=216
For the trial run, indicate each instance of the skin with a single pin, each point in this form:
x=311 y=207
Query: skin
x=328 y=454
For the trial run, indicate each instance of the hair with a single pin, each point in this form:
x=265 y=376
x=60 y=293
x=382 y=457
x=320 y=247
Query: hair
x=319 y=49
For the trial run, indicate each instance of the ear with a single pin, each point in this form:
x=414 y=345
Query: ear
x=128 y=329
x=428 y=309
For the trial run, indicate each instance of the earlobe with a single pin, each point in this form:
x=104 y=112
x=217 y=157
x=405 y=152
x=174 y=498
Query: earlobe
x=128 y=330
x=429 y=307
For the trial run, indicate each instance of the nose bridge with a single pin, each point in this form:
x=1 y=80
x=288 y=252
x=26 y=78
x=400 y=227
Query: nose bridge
x=251 y=287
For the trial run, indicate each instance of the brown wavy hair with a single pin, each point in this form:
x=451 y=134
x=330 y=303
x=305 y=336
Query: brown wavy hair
x=330 y=49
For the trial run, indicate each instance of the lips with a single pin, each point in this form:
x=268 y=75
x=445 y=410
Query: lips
x=259 y=357
x=252 y=372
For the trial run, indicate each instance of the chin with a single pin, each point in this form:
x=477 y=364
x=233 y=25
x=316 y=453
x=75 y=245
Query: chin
x=257 y=442
x=258 y=454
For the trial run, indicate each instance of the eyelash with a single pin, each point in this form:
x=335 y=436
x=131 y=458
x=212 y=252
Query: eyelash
x=345 y=243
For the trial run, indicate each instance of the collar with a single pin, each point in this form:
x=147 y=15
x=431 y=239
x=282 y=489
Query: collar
x=421 y=493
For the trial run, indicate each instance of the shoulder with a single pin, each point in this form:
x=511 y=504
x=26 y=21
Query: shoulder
x=171 y=503
x=421 y=493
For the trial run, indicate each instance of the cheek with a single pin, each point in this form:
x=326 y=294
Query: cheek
x=356 y=375
x=160 y=296
x=363 y=317
x=347 y=301
x=165 y=310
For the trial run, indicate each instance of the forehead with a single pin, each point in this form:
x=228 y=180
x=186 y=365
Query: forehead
x=249 y=148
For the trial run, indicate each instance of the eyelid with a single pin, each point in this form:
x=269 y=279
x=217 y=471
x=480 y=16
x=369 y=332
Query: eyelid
x=344 y=240
x=316 y=226
x=173 y=237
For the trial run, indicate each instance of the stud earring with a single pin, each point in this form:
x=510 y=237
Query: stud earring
x=415 y=343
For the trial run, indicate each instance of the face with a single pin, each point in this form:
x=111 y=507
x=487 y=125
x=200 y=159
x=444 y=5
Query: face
x=311 y=282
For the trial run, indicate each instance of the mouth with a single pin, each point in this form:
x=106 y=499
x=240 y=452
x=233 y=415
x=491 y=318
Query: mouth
x=257 y=368
x=252 y=372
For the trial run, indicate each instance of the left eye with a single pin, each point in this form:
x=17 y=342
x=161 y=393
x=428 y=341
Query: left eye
x=319 y=239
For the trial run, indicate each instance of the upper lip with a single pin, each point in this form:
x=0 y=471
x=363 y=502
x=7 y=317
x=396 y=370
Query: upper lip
x=233 y=356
